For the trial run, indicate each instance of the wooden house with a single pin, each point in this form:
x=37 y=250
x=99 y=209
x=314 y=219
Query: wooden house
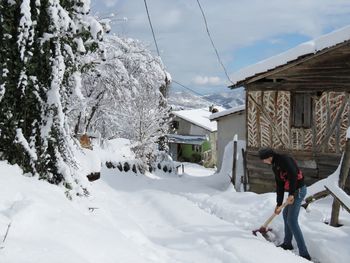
x=298 y=103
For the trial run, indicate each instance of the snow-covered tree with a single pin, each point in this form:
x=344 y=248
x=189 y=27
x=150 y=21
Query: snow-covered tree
x=124 y=96
x=41 y=41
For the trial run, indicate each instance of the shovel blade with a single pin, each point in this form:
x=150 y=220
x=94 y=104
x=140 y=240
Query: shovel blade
x=262 y=230
x=265 y=232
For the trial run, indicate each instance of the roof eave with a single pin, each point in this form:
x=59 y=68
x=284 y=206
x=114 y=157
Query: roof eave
x=270 y=72
x=298 y=60
x=232 y=113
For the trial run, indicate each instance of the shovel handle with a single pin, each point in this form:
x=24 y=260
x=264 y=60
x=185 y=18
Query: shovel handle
x=268 y=221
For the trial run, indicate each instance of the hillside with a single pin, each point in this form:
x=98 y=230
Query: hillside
x=185 y=100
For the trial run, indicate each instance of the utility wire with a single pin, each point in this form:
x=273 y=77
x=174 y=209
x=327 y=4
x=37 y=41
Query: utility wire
x=178 y=83
x=150 y=23
x=155 y=42
x=195 y=92
x=212 y=42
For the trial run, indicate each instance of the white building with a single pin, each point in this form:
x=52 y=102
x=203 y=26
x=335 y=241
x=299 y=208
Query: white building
x=195 y=135
x=229 y=123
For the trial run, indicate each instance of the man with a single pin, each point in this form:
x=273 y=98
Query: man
x=289 y=178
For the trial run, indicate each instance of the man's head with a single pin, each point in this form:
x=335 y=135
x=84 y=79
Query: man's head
x=266 y=155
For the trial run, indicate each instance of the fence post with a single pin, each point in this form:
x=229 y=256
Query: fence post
x=234 y=162
x=344 y=171
x=245 y=177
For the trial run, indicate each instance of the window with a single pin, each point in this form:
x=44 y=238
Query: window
x=175 y=125
x=301 y=105
x=196 y=148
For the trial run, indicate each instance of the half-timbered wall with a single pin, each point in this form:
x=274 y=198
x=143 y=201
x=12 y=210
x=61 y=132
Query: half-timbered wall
x=269 y=122
x=316 y=135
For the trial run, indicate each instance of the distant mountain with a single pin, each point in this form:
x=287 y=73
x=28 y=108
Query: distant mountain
x=185 y=100
x=228 y=99
x=182 y=100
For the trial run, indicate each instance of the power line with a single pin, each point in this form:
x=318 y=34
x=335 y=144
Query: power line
x=195 y=92
x=150 y=23
x=155 y=42
x=212 y=42
x=178 y=83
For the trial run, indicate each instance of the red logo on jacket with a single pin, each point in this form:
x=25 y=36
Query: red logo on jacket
x=284 y=178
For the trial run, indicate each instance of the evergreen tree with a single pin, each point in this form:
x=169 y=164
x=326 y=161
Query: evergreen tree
x=41 y=43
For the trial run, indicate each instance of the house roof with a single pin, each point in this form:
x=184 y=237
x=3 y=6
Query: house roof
x=224 y=113
x=199 y=117
x=187 y=139
x=308 y=48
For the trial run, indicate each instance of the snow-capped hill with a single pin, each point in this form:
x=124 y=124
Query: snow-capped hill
x=229 y=99
x=181 y=100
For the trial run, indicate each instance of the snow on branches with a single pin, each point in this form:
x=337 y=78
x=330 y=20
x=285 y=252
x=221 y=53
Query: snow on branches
x=41 y=46
x=123 y=96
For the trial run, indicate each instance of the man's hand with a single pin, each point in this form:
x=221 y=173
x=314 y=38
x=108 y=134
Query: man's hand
x=278 y=209
x=290 y=199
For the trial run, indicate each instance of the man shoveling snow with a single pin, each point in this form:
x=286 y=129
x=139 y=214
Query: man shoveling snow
x=289 y=178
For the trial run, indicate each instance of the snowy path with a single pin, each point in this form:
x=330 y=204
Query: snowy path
x=160 y=220
x=175 y=217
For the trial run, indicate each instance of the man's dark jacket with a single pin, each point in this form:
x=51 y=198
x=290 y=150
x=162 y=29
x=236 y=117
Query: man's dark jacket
x=287 y=175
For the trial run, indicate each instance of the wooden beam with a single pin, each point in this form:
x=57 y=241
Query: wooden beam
x=312 y=198
x=301 y=86
x=343 y=175
x=339 y=199
x=318 y=78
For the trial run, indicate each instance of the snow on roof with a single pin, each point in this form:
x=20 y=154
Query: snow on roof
x=310 y=47
x=227 y=112
x=199 y=117
x=187 y=139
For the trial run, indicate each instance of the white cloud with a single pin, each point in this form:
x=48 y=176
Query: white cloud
x=182 y=38
x=204 y=81
x=108 y=3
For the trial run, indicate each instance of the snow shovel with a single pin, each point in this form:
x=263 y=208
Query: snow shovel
x=264 y=229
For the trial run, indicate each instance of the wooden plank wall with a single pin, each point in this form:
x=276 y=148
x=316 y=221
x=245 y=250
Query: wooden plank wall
x=261 y=177
x=269 y=124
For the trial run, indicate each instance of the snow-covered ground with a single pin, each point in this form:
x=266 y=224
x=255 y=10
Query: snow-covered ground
x=197 y=217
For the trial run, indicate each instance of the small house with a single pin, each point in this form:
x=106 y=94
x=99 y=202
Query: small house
x=194 y=137
x=298 y=103
x=230 y=122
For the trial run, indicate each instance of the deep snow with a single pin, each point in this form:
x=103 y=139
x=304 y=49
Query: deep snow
x=197 y=217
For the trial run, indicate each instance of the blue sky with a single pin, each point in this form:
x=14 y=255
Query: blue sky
x=263 y=49
x=244 y=32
